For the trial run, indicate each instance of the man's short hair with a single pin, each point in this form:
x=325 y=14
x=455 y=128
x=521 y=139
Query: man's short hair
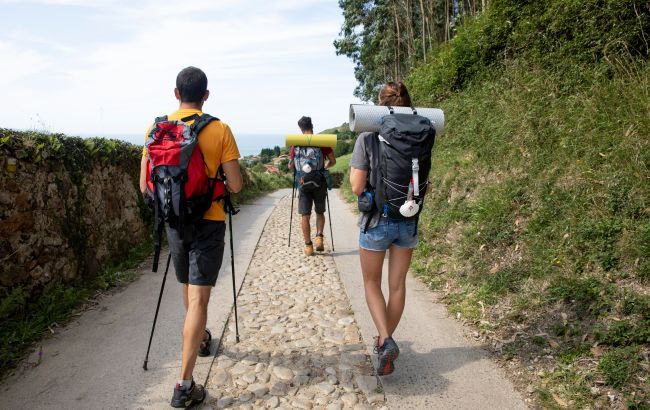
x=305 y=124
x=192 y=84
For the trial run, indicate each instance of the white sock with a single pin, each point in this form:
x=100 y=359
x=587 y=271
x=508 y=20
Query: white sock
x=185 y=384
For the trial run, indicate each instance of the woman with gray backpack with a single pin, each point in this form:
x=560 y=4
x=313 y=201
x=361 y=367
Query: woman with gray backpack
x=388 y=172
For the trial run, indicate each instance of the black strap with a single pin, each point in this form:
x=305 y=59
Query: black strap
x=190 y=118
x=157 y=230
x=201 y=121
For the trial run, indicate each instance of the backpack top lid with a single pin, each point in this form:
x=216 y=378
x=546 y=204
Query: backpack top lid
x=403 y=131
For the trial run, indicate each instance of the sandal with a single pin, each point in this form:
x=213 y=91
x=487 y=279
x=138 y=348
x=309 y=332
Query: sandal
x=204 y=349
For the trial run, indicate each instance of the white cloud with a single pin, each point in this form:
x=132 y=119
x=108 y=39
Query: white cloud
x=264 y=69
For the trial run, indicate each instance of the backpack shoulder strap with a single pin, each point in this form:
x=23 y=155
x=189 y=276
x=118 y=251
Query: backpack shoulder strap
x=201 y=121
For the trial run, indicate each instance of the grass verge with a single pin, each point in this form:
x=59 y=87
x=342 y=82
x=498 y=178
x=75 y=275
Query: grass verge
x=27 y=320
x=537 y=228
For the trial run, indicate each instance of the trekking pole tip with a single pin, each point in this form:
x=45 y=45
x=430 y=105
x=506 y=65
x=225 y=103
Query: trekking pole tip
x=144 y=366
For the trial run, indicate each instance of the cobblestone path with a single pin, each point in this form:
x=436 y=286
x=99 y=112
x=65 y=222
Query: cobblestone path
x=300 y=347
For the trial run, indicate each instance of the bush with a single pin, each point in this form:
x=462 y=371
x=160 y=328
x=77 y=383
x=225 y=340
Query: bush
x=619 y=365
x=552 y=33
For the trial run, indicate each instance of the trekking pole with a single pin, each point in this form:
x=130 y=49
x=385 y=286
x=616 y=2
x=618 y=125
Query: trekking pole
x=232 y=268
x=293 y=190
x=329 y=216
x=162 y=287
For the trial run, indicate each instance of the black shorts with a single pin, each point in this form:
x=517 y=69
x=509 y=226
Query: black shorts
x=306 y=199
x=198 y=256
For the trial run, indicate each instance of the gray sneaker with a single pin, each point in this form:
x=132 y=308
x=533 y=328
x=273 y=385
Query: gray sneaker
x=183 y=398
x=388 y=353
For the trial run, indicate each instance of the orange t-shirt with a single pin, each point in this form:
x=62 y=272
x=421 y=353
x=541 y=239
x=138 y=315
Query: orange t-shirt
x=217 y=144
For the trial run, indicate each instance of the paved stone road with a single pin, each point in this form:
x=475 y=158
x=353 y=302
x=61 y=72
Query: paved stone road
x=300 y=346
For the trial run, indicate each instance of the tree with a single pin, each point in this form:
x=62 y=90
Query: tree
x=385 y=38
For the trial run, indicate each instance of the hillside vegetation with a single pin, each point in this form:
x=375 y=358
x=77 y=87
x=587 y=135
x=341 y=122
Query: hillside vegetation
x=537 y=227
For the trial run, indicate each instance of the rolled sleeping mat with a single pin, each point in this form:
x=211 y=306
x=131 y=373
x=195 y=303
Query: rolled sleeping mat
x=311 y=140
x=367 y=118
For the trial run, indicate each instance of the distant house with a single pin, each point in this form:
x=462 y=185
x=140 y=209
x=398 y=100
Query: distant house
x=279 y=159
x=271 y=169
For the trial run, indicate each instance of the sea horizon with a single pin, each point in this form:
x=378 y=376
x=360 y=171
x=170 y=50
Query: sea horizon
x=248 y=143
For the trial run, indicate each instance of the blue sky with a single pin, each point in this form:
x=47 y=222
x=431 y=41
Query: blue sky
x=109 y=66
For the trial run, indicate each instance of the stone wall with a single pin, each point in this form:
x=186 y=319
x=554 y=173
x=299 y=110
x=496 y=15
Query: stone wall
x=67 y=207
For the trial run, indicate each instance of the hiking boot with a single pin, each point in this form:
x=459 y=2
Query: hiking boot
x=187 y=397
x=387 y=354
x=204 y=348
x=309 y=249
x=318 y=241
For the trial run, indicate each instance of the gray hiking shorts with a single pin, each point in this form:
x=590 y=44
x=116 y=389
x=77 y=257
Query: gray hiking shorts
x=317 y=198
x=198 y=255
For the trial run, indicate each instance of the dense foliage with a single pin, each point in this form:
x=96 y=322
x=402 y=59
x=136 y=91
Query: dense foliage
x=537 y=229
x=386 y=37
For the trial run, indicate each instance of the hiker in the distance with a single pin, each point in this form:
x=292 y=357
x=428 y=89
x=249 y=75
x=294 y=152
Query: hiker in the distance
x=197 y=247
x=388 y=171
x=308 y=164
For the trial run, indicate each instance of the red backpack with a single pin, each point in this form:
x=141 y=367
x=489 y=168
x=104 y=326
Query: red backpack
x=178 y=175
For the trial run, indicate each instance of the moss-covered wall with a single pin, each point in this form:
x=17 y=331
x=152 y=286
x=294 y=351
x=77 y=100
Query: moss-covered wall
x=67 y=206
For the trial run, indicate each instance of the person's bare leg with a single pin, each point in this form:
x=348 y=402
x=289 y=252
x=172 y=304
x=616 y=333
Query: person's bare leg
x=371 y=266
x=306 y=229
x=320 y=223
x=399 y=260
x=184 y=288
x=194 y=328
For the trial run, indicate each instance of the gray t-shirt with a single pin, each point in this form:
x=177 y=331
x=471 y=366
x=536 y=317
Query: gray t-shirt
x=364 y=155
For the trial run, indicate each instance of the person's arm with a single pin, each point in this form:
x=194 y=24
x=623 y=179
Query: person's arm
x=359 y=165
x=143 y=164
x=358 y=180
x=230 y=164
x=143 y=175
x=331 y=161
x=233 y=176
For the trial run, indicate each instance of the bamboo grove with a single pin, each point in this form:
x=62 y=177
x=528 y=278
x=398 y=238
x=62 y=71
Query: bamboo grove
x=385 y=38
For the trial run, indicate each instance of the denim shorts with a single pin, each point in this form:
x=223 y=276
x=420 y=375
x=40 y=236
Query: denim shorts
x=390 y=232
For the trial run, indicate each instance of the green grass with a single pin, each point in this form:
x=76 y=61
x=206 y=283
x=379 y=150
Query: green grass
x=541 y=199
x=538 y=217
x=343 y=166
x=259 y=183
x=342 y=163
x=539 y=214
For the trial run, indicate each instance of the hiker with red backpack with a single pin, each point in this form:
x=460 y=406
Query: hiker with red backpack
x=388 y=172
x=312 y=179
x=188 y=157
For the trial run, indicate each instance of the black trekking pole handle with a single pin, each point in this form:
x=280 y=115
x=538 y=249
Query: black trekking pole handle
x=232 y=268
x=155 y=318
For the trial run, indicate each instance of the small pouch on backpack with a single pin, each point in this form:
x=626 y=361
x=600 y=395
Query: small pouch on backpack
x=366 y=202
